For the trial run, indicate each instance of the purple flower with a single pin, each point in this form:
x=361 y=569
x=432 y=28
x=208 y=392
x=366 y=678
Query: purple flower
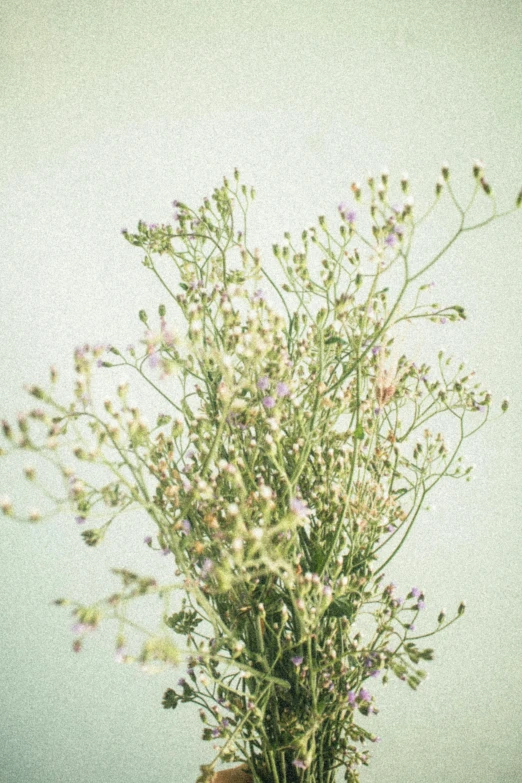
x=186 y=527
x=420 y=605
x=207 y=567
x=166 y=551
x=79 y=520
x=443 y=320
x=299 y=764
x=365 y=695
x=268 y=402
x=348 y=214
x=263 y=383
x=154 y=360
x=297 y=660
x=282 y=389
x=299 y=508
x=216 y=732
x=147 y=540
x=376 y=349
x=415 y=592
x=351 y=697
x=182 y=682
x=391 y=240
x=259 y=295
x=79 y=628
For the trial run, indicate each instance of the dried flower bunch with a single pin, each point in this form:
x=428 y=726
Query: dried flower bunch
x=289 y=465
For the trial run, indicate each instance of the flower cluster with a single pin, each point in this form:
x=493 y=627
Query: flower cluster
x=292 y=456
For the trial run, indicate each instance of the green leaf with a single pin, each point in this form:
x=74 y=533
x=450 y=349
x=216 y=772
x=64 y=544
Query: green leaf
x=94 y=536
x=359 y=432
x=170 y=699
x=183 y=622
x=340 y=608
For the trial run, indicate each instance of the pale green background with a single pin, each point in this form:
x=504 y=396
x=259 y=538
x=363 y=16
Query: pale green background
x=109 y=110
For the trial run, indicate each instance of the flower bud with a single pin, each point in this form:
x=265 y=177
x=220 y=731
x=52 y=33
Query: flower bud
x=162 y=310
x=408 y=205
x=238 y=648
x=505 y=405
x=461 y=609
x=518 y=202
x=445 y=171
x=356 y=190
x=36 y=391
x=478 y=169
x=486 y=187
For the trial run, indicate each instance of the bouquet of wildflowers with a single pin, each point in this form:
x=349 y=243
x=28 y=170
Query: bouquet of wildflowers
x=293 y=453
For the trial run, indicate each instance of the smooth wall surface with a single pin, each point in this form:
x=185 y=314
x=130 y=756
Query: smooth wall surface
x=109 y=110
